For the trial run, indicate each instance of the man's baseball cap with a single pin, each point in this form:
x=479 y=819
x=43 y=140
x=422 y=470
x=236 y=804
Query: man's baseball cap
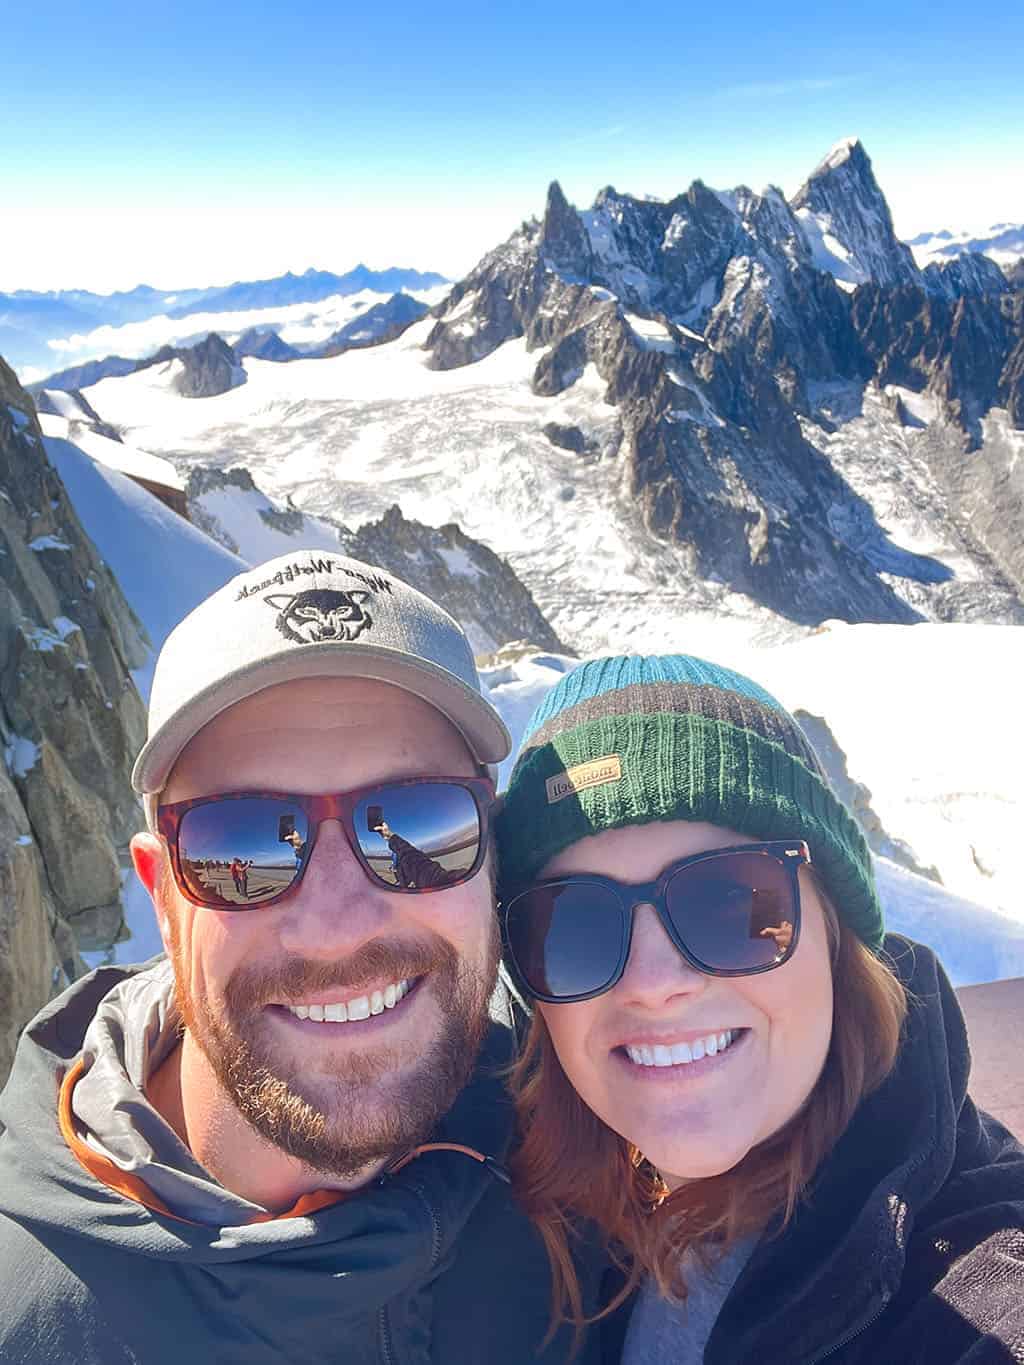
x=311 y=614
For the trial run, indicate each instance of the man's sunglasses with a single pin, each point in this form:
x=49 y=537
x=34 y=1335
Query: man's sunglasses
x=729 y=912
x=247 y=850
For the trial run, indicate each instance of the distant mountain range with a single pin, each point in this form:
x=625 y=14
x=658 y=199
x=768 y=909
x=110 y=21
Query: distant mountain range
x=29 y=319
x=1003 y=242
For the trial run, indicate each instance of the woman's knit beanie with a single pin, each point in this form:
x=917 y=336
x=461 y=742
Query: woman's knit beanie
x=629 y=740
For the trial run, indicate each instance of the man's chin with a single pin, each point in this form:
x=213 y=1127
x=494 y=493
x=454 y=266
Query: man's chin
x=343 y=1110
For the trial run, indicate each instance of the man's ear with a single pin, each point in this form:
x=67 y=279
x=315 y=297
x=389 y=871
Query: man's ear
x=148 y=856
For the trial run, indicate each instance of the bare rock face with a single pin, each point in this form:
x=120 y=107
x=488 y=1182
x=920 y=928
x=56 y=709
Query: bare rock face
x=70 y=717
x=844 y=197
x=470 y=581
x=970 y=273
x=209 y=367
x=30 y=963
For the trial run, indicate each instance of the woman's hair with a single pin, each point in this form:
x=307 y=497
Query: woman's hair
x=570 y=1164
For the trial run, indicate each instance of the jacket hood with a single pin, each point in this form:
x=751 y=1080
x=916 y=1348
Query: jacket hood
x=394 y=1232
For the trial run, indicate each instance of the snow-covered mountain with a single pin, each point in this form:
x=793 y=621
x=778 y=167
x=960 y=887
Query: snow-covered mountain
x=657 y=410
x=39 y=330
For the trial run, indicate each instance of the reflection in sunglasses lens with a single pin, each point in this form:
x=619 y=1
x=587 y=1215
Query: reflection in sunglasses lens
x=734 y=912
x=419 y=836
x=239 y=853
x=566 y=939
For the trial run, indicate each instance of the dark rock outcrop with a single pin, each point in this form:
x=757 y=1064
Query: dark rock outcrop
x=82 y=376
x=263 y=345
x=210 y=367
x=379 y=324
x=470 y=581
x=71 y=722
x=970 y=273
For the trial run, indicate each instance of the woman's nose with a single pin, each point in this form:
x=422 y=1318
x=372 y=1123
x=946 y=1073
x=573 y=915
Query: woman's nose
x=656 y=971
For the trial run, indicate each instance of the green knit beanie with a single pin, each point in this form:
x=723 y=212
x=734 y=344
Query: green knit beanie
x=629 y=740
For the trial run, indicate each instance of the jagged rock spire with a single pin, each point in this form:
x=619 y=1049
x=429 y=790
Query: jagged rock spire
x=564 y=242
x=842 y=200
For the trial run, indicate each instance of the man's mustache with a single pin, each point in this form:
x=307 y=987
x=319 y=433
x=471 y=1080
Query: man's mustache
x=296 y=978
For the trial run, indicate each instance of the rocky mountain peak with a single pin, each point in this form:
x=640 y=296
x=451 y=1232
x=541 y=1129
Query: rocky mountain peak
x=210 y=367
x=970 y=273
x=563 y=242
x=841 y=202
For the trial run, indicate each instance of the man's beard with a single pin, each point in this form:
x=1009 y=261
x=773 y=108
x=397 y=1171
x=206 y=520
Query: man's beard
x=347 y=1117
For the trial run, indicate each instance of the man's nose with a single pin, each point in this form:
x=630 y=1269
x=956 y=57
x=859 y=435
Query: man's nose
x=656 y=972
x=336 y=907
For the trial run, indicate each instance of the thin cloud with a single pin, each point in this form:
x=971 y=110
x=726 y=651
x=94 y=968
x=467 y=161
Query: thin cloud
x=757 y=90
x=592 y=136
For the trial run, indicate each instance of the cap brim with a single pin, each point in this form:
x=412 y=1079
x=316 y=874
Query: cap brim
x=476 y=720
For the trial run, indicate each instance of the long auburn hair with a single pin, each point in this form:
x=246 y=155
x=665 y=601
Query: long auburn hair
x=571 y=1165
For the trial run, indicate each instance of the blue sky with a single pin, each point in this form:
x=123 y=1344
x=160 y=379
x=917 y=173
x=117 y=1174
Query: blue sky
x=189 y=144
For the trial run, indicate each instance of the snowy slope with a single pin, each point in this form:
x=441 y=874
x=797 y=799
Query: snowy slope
x=124 y=458
x=350 y=436
x=164 y=565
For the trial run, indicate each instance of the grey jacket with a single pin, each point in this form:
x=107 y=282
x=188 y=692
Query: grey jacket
x=434 y=1264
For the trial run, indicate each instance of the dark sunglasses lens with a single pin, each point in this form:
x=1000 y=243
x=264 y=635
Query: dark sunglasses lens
x=566 y=939
x=420 y=836
x=239 y=853
x=736 y=912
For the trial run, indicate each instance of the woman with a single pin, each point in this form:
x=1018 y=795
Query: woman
x=760 y=1102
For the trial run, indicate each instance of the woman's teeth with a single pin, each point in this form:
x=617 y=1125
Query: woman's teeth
x=360 y=1008
x=681 y=1053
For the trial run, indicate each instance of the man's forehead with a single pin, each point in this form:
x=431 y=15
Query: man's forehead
x=375 y=727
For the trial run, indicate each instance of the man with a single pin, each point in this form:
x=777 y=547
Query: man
x=276 y=1143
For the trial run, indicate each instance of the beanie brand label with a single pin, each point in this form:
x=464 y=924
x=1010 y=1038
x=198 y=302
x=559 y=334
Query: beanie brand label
x=593 y=774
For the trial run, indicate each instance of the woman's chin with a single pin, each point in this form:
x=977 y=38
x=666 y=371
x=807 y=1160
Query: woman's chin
x=680 y=1167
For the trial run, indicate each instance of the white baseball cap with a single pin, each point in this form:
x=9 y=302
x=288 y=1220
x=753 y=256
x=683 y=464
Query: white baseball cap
x=311 y=614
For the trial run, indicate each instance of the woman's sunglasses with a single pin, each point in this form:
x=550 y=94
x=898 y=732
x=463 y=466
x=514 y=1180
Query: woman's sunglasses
x=729 y=912
x=247 y=850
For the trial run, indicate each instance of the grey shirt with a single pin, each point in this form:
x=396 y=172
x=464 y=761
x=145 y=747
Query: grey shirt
x=661 y=1332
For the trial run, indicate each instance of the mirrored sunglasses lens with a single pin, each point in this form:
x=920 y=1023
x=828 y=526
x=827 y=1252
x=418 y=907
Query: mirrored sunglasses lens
x=422 y=836
x=566 y=939
x=237 y=854
x=734 y=913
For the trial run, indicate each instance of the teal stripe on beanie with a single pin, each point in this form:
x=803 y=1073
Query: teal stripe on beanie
x=722 y=751
x=598 y=676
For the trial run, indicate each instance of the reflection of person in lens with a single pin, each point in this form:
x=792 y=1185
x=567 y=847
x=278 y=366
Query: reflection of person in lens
x=781 y=933
x=297 y=842
x=411 y=864
x=688 y=1113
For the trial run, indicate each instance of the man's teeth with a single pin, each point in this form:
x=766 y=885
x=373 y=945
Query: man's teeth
x=360 y=1008
x=681 y=1053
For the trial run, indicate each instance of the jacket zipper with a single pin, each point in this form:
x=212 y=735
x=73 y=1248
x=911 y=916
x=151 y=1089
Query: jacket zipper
x=383 y=1323
x=384 y=1333
x=852 y=1336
